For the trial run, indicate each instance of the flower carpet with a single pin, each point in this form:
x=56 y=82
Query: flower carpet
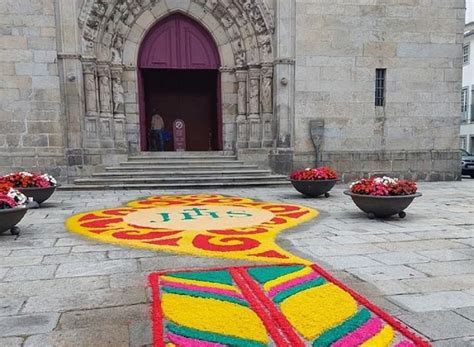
x=277 y=305
x=288 y=302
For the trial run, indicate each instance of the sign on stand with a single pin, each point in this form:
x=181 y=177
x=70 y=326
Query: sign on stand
x=179 y=135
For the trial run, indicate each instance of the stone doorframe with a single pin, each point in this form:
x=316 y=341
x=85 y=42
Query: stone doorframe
x=112 y=31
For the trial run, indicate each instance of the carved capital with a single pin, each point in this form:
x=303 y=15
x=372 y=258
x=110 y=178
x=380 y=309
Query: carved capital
x=89 y=67
x=254 y=72
x=116 y=71
x=267 y=70
x=241 y=75
x=103 y=69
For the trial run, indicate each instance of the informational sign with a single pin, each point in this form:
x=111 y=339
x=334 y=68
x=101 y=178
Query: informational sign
x=179 y=135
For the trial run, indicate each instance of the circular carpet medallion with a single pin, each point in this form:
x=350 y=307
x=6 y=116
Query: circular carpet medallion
x=201 y=225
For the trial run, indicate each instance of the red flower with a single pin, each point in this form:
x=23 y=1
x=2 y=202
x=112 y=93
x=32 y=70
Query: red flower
x=322 y=173
x=385 y=186
x=5 y=187
x=23 y=180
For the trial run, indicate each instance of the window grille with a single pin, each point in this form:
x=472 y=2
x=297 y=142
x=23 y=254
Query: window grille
x=464 y=103
x=380 y=87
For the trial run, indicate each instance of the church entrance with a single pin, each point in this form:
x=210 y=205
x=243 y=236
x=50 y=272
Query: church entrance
x=179 y=79
x=189 y=95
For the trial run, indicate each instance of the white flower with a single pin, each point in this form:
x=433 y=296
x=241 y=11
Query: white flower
x=385 y=180
x=50 y=179
x=20 y=198
x=354 y=183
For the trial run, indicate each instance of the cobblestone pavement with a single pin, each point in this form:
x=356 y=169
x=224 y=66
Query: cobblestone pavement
x=59 y=289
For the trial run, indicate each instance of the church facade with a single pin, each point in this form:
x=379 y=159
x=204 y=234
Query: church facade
x=363 y=86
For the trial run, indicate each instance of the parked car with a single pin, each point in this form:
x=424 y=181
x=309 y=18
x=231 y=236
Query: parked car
x=467 y=163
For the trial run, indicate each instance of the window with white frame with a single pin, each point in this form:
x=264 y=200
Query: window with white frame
x=466 y=53
x=464 y=103
x=463 y=142
x=471 y=111
x=471 y=147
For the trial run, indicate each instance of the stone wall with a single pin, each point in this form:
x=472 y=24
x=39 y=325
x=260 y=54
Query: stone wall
x=68 y=88
x=31 y=128
x=338 y=47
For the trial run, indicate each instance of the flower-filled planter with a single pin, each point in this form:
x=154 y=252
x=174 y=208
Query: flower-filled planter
x=383 y=196
x=12 y=208
x=314 y=182
x=38 y=187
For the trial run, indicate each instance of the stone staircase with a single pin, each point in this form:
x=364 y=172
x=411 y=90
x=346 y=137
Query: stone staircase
x=155 y=170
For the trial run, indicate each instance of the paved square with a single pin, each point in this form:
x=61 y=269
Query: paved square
x=59 y=289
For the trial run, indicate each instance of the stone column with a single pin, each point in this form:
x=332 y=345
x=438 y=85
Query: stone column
x=267 y=105
x=105 y=102
x=90 y=87
x=118 y=103
x=89 y=69
x=281 y=160
x=254 y=121
x=285 y=71
x=105 y=92
x=241 y=120
x=71 y=70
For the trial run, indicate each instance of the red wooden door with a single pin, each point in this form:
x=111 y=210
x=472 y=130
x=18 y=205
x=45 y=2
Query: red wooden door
x=178 y=42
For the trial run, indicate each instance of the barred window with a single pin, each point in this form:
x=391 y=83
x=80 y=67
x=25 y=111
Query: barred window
x=464 y=103
x=465 y=53
x=380 y=87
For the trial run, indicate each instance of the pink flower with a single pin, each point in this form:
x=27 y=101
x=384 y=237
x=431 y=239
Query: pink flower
x=6 y=202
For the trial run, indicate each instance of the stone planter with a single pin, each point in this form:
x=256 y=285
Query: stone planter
x=314 y=188
x=39 y=195
x=382 y=206
x=10 y=217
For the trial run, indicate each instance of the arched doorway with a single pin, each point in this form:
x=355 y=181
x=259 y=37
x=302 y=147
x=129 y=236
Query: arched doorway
x=178 y=77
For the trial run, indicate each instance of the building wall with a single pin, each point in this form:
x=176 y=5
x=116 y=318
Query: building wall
x=57 y=66
x=338 y=47
x=467 y=118
x=32 y=129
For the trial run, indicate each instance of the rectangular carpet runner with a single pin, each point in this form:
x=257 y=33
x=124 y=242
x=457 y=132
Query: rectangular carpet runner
x=276 y=305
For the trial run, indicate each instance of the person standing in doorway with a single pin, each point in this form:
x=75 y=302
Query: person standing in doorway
x=158 y=132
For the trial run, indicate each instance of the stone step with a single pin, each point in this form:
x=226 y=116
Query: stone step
x=167 y=173
x=188 y=168
x=151 y=170
x=174 y=185
x=184 y=157
x=180 y=154
x=179 y=180
x=181 y=162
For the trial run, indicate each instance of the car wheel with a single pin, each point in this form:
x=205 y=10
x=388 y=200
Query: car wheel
x=472 y=176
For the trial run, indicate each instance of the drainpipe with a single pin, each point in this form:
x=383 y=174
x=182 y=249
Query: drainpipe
x=316 y=127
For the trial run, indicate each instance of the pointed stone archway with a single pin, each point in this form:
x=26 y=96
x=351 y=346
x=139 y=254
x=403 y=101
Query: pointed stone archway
x=178 y=77
x=242 y=29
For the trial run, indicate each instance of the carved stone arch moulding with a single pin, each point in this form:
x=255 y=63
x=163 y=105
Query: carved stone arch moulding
x=248 y=24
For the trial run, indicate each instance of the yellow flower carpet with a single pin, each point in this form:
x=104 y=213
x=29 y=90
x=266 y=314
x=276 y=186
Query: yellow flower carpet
x=289 y=303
